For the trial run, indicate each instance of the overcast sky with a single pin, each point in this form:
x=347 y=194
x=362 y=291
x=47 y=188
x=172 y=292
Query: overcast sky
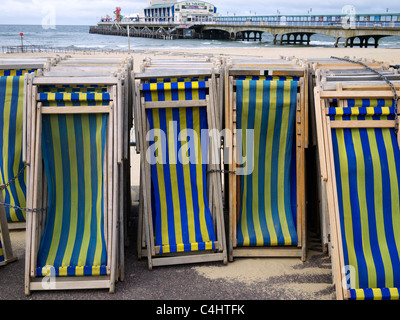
x=88 y=12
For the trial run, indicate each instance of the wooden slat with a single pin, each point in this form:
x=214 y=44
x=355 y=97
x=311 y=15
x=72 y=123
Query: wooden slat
x=75 y=110
x=357 y=94
x=174 y=104
x=363 y=124
x=75 y=80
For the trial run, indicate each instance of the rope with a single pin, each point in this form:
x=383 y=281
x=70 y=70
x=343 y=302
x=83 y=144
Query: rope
x=384 y=78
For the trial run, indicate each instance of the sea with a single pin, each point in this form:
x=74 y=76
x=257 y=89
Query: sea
x=78 y=38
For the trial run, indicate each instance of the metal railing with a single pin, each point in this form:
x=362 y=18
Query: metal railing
x=253 y=21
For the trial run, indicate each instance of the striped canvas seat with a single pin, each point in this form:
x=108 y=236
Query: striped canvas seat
x=11 y=117
x=75 y=88
x=269 y=78
x=73 y=151
x=268 y=194
x=17 y=72
x=181 y=214
x=74 y=98
x=367 y=166
x=179 y=79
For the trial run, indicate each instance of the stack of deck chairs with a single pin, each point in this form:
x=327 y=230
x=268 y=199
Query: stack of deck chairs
x=356 y=129
x=178 y=103
x=266 y=102
x=76 y=152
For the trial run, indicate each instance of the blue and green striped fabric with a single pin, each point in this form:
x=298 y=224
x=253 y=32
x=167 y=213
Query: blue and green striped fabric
x=179 y=79
x=74 y=99
x=11 y=117
x=269 y=78
x=13 y=72
x=268 y=195
x=181 y=214
x=75 y=88
x=73 y=152
x=367 y=166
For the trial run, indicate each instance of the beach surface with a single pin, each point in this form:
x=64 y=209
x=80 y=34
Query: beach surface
x=242 y=279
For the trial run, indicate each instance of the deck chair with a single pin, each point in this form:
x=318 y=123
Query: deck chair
x=354 y=76
x=12 y=101
x=359 y=157
x=266 y=179
x=180 y=225
x=74 y=235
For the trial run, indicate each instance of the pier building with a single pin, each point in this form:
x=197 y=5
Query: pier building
x=179 y=12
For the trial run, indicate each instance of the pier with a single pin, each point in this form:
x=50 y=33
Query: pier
x=347 y=35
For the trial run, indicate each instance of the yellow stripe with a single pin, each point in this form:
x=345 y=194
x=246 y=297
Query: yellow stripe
x=370 y=110
x=18 y=145
x=348 y=223
x=59 y=195
x=181 y=92
x=363 y=209
x=154 y=92
x=360 y=294
x=394 y=293
x=377 y=294
x=199 y=175
x=173 y=175
x=268 y=163
x=187 y=178
x=243 y=218
x=95 y=270
x=88 y=190
x=6 y=134
x=74 y=191
x=394 y=189
x=161 y=180
x=79 y=270
x=281 y=163
x=256 y=150
x=378 y=197
x=99 y=242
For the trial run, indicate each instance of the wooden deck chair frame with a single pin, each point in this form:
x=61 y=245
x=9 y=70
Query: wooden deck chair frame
x=318 y=68
x=38 y=199
x=24 y=64
x=146 y=245
x=144 y=76
x=325 y=151
x=121 y=69
x=268 y=67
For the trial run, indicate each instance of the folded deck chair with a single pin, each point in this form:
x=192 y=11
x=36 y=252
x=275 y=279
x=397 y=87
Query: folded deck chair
x=361 y=157
x=12 y=95
x=75 y=239
x=267 y=196
x=180 y=225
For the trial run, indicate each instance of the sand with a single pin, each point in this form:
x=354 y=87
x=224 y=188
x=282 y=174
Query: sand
x=274 y=278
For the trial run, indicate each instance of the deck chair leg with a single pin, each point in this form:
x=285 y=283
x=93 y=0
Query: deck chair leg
x=5 y=235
